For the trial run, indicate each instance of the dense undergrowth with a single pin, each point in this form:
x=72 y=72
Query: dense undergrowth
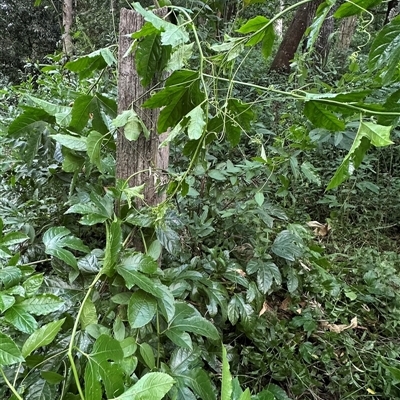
x=302 y=313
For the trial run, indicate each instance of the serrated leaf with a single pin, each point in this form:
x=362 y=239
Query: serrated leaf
x=180 y=95
x=180 y=57
x=147 y=57
x=321 y=117
x=9 y=352
x=56 y=238
x=99 y=368
x=141 y=309
x=32 y=284
x=310 y=172
x=264 y=279
x=152 y=386
x=292 y=280
x=41 y=304
x=286 y=245
x=42 y=337
x=21 y=319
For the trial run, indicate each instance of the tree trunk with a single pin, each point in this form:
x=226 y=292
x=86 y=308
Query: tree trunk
x=68 y=18
x=293 y=36
x=346 y=31
x=323 y=44
x=279 y=22
x=140 y=161
x=392 y=10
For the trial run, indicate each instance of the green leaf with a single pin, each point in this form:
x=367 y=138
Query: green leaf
x=9 y=352
x=42 y=304
x=268 y=41
x=180 y=95
x=139 y=262
x=51 y=377
x=6 y=302
x=171 y=34
x=131 y=123
x=71 y=142
x=10 y=276
x=13 y=238
x=97 y=211
x=196 y=124
x=355 y=7
x=31 y=119
x=57 y=238
x=147 y=354
x=141 y=309
x=88 y=315
x=253 y=25
x=180 y=338
x=259 y=198
x=286 y=245
x=42 y=337
x=187 y=319
x=310 y=172
x=32 y=284
x=367 y=133
x=89 y=63
x=264 y=279
x=321 y=117
x=313 y=31
x=152 y=386
x=180 y=57
x=246 y=395
x=21 y=319
x=226 y=385
x=93 y=144
x=133 y=278
x=113 y=247
x=385 y=50
x=147 y=58
x=61 y=113
x=201 y=384
x=103 y=366
x=292 y=281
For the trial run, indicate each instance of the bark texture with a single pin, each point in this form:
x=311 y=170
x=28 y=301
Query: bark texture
x=142 y=154
x=392 y=10
x=293 y=36
x=346 y=32
x=68 y=18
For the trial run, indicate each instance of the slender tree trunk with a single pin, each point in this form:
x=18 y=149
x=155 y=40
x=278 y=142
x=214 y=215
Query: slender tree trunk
x=346 y=32
x=68 y=18
x=279 y=22
x=293 y=36
x=142 y=161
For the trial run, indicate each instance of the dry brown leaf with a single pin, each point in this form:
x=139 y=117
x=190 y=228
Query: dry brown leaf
x=338 y=328
x=285 y=304
x=320 y=230
x=266 y=307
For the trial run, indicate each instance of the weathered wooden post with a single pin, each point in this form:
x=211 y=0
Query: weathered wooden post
x=142 y=154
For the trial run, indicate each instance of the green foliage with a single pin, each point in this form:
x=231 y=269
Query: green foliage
x=102 y=299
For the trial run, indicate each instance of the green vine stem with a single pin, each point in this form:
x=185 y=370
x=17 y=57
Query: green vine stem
x=9 y=384
x=73 y=334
